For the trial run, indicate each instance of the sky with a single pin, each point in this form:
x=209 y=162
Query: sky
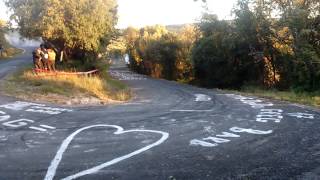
x=3 y=9
x=148 y=12
x=139 y=13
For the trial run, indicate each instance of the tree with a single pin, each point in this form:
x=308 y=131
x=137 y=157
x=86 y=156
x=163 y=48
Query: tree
x=77 y=27
x=3 y=28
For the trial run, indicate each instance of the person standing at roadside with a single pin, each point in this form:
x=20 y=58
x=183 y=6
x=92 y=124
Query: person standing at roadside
x=51 y=59
x=36 y=55
x=44 y=56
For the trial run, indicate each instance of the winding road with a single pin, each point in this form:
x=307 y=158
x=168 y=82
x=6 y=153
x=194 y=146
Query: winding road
x=169 y=131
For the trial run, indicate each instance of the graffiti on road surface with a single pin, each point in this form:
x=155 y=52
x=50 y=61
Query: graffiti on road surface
x=254 y=103
x=221 y=138
x=266 y=115
x=202 y=97
x=51 y=172
x=34 y=107
x=126 y=75
x=6 y=120
x=302 y=115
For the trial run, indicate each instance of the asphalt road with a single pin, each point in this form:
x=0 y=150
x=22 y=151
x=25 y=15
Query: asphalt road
x=169 y=131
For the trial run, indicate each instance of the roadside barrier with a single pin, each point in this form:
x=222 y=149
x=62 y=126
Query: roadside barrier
x=58 y=73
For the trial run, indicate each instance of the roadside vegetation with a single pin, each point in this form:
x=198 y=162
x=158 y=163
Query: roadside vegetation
x=270 y=44
x=279 y=54
x=6 y=50
x=82 y=45
x=306 y=98
x=65 y=89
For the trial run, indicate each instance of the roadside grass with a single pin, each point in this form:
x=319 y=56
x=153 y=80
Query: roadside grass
x=10 y=52
x=306 y=98
x=26 y=84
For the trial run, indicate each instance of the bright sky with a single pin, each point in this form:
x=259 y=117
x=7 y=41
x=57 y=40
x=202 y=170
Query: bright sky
x=3 y=9
x=140 y=13
x=147 y=12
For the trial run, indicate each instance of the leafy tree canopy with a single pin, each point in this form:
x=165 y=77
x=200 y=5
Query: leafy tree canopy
x=72 y=25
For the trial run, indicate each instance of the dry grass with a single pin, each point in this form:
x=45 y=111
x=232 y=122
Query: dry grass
x=61 y=88
x=92 y=84
x=10 y=52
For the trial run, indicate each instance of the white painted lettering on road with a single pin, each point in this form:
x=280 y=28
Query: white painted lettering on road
x=18 y=123
x=224 y=137
x=250 y=131
x=217 y=140
x=267 y=115
x=202 y=98
x=34 y=107
x=4 y=116
x=228 y=135
x=22 y=123
x=18 y=105
x=301 y=115
x=254 y=103
x=196 y=142
x=126 y=75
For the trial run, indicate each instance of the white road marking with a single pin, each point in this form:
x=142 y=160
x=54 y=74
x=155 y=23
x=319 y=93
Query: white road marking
x=126 y=75
x=47 y=110
x=90 y=150
x=254 y=103
x=217 y=140
x=250 y=131
x=37 y=129
x=47 y=127
x=34 y=107
x=65 y=144
x=202 y=98
x=220 y=138
x=19 y=105
x=4 y=116
x=301 y=115
x=187 y=110
x=228 y=135
x=18 y=123
x=196 y=142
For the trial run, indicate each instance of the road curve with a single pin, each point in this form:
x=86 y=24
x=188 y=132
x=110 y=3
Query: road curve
x=168 y=131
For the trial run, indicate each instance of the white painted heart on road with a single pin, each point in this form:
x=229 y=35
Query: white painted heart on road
x=51 y=172
x=202 y=97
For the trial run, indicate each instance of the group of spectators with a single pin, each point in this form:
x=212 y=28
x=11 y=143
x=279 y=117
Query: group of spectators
x=44 y=58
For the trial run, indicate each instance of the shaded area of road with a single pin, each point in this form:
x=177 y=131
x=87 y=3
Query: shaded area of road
x=211 y=135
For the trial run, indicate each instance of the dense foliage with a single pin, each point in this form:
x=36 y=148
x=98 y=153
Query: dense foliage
x=157 y=52
x=76 y=27
x=269 y=43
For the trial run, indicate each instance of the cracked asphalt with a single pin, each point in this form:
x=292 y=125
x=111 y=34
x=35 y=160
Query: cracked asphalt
x=168 y=131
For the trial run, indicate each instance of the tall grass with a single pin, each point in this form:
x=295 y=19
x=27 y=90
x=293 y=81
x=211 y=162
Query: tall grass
x=94 y=85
